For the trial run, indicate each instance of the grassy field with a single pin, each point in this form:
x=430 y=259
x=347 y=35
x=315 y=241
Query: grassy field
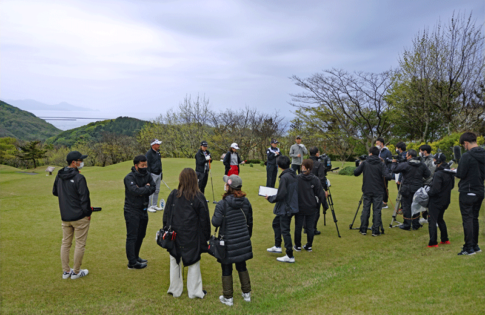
x=392 y=274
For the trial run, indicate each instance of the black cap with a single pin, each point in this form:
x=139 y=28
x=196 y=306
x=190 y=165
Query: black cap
x=75 y=155
x=298 y=137
x=274 y=141
x=203 y=143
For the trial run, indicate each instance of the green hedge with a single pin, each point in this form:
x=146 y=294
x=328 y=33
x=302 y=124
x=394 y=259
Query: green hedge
x=348 y=170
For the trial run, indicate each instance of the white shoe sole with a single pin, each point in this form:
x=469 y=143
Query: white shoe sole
x=221 y=298
x=274 y=251
x=152 y=210
x=286 y=261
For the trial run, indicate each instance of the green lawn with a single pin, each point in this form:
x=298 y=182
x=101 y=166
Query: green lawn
x=392 y=274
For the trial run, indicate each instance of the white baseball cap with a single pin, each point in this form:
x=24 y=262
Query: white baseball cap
x=234 y=146
x=155 y=141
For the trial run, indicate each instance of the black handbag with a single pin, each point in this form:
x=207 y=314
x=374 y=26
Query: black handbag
x=166 y=236
x=217 y=246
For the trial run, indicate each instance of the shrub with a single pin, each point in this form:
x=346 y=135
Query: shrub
x=348 y=170
x=261 y=163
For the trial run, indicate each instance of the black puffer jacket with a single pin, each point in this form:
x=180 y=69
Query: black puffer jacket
x=471 y=171
x=154 y=162
x=319 y=171
x=137 y=191
x=201 y=164
x=73 y=193
x=414 y=173
x=191 y=222
x=375 y=172
x=287 y=196
x=309 y=187
x=238 y=215
x=441 y=186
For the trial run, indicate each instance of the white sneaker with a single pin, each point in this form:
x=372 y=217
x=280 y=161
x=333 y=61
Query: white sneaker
x=423 y=221
x=274 y=249
x=158 y=208
x=152 y=209
x=286 y=259
x=228 y=302
x=82 y=273
x=247 y=296
x=67 y=275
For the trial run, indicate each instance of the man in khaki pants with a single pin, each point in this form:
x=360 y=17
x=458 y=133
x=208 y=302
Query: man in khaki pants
x=71 y=188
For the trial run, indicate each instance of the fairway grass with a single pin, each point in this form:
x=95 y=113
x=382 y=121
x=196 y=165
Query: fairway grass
x=392 y=274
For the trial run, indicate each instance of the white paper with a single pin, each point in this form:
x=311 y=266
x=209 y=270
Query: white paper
x=263 y=191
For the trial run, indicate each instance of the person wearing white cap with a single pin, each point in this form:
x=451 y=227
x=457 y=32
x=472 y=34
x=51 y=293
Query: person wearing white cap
x=154 y=159
x=232 y=160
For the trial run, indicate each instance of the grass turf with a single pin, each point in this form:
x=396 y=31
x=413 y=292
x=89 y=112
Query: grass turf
x=392 y=274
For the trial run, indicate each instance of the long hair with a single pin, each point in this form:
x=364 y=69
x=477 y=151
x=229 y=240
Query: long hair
x=238 y=193
x=188 y=186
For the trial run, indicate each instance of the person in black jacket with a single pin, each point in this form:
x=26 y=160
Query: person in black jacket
x=310 y=196
x=139 y=185
x=319 y=171
x=75 y=206
x=272 y=154
x=188 y=215
x=232 y=160
x=471 y=172
x=202 y=165
x=401 y=152
x=414 y=174
x=384 y=155
x=286 y=206
x=376 y=175
x=439 y=200
x=154 y=168
x=234 y=215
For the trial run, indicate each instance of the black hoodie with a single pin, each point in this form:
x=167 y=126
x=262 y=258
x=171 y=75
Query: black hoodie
x=286 y=198
x=375 y=171
x=414 y=174
x=319 y=171
x=309 y=187
x=137 y=191
x=73 y=193
x=441 y=186
x=471 y=171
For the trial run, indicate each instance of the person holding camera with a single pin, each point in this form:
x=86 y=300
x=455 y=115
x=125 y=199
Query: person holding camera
x=272 y=154
x=310 y=196
x=414 y=174
x=235 y=209
x=139 y=185
x=319 y=171
x=75 y=206
x=471 y=172
x=439 y=200
x=401 y=156
x=373 y=188
x=202 y=161
x=154 y=168
x=188 y=215
x=428 y=160
x=384 y=155
x=286 y=206
x=297 y=151
x=232 y=160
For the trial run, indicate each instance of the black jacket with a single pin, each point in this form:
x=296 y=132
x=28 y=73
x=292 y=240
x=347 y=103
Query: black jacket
x=385 y=154
x=375 y=172
x=154 y=162
x=271 y=157
x=227 y=162
x=201 y=164
x=471 y=171
x=137 y=191
x=441 y=186
x=73 y=193
x=309 y=187
x=287 y=197
x=319 y=171
x=191 y=222
x=414 y=173
x=238 y=215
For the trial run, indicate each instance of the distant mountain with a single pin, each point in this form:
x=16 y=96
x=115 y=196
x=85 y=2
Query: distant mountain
x=36 y=105
x=94 y=131
x=23 y=125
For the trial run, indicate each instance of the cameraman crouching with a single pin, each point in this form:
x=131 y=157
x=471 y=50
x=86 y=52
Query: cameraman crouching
x=376 y=175
x=414 y=173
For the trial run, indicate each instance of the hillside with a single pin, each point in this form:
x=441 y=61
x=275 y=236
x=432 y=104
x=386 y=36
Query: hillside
x=23 y=125
x=94 y=131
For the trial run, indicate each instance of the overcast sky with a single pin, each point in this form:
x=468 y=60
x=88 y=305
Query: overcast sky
x=140 y=58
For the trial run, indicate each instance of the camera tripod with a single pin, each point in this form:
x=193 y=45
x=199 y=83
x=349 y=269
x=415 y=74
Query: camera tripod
x=355 y=216
x=396 y=209
x=330 y=205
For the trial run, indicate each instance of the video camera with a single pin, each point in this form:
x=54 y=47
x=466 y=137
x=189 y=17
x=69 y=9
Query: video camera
x=95 y=209
x=327 y=162
x=399 y=158
x=361 y=158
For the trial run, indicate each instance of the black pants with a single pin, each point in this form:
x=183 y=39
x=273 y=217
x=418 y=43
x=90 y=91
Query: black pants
x=271 y=173
x=227 y=268
x=202 y=177
x=436 y=213
x=376 y=202
x=317 y=216
x=409 y=221
x=136 y=227
x=296 y=168
x=281 y=226
x=309 y=221
x=470 y=208
x=385 y=197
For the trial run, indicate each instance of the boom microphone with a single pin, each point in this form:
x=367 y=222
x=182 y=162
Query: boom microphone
x=457 y=153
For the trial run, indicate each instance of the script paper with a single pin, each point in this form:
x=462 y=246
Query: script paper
x=263 y=191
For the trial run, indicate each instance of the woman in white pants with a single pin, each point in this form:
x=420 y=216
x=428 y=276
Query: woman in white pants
x=187 y=213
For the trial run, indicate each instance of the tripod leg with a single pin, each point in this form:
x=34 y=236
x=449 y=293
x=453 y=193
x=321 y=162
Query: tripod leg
x=333 y=212
x=212 y=184
x=357 y=211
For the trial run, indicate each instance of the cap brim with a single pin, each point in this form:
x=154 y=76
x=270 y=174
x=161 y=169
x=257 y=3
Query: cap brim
x=225 y=178
x=83 y=157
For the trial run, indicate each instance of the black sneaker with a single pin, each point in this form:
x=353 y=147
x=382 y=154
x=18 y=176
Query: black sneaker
x=205 y=292
x=141 y=260
x=477 y=249
x=307 y=248
x=363 y=233
x=376 y=234
x=415 y=228
x=404 y=227
x=317 y=232
x=466 y=252
x=137 y=266
x=298 y=249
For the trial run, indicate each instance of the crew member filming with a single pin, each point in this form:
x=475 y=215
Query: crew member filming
x=232 y=160
x=427 y=159
x=202 y=160
x=319 y=171
x=154 y=168
x=297 y=151
x=384 y=155
x=272 y=154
